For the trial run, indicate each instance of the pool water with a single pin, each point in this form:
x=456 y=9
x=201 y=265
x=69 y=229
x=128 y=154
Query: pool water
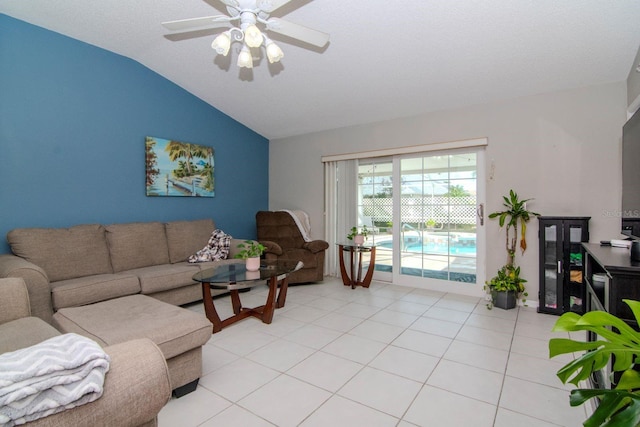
x=435 y=248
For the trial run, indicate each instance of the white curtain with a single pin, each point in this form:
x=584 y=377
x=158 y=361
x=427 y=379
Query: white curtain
x=341 y=179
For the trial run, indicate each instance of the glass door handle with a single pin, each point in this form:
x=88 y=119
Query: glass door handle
x=480 y=212
x=559 y=266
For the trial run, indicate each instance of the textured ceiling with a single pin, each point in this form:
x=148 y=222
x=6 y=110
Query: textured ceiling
x=385 y=59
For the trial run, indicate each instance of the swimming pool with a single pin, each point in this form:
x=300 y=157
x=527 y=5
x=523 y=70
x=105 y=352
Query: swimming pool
x=454 y=248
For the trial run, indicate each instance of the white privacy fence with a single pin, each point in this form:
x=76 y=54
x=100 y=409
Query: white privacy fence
x=422 y=209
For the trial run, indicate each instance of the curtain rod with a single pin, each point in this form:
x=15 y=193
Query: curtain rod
x=436 y=146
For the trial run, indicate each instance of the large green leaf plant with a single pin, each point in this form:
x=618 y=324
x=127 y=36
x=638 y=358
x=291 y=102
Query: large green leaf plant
x=620 y=406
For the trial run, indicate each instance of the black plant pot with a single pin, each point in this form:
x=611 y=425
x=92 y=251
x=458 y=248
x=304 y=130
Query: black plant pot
x=504 y=299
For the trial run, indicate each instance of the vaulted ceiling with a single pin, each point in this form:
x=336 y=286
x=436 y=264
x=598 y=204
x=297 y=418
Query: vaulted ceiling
x=385 y=59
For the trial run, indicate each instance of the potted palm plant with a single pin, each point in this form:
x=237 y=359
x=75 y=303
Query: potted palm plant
x=507 y=286
x=251 y=252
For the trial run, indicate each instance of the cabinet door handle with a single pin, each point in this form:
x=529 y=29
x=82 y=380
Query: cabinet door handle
x=559 y=266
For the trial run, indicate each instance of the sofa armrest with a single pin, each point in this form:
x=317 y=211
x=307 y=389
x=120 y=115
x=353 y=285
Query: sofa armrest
x=36 y=280
x=14 y=299
x=135 y=389
x=271 y=247
x=316 y=246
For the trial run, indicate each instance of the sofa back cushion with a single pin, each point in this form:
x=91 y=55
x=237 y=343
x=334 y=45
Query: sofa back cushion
x=136 y=245
x=185 y=238
x=63 y=253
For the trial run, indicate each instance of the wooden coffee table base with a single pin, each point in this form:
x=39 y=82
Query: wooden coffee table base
x=263 y=312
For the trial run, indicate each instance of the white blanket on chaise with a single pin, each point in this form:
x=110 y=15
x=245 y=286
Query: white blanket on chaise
x=57 y=374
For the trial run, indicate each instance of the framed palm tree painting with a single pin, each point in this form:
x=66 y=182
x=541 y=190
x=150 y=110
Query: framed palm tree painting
x=176 y=168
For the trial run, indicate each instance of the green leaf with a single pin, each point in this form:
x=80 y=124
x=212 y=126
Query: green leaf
x=616 y=409
x=635 y=308
x=629 y=417
x=566 y=322
x=559 y=346
x=619 y=407
x=609 y=405
x=582 y=395
x=602 y=318
x=503 y=216
x=599 y=322
x=629 y=380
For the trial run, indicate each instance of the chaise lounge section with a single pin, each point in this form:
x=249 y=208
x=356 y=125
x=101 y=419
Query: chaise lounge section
x=135 y=389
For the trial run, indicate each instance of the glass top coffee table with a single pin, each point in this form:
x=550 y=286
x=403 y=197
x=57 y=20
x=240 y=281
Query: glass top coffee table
x=235 y=277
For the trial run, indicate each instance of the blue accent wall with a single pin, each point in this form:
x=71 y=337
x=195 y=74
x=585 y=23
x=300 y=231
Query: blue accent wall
x=73 y=121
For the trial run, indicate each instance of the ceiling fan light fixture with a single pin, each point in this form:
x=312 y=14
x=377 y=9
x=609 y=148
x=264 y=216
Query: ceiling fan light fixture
x=222 y=43
x=252 y=36
x=250 y=14
x=244 y=58
x=274 y=53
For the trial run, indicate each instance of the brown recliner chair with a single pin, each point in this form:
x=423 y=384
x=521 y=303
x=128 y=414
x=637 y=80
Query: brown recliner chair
x=278 y=232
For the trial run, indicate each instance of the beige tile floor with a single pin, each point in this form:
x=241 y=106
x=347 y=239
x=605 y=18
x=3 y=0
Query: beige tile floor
x=384 y=356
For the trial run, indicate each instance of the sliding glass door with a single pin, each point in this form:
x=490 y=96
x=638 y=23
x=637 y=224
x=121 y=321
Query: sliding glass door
x=422 y=214
x=438 y=217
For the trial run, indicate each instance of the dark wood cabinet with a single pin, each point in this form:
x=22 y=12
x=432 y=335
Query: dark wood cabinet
x=562 y=287
x=611 y=277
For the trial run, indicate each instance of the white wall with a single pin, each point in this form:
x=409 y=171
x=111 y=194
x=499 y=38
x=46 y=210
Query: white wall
x=562 y=149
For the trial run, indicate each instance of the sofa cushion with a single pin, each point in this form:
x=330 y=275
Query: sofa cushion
x=63 y=253
x=87 y=290
x=138 y=244
x=24 y=332
x=164 y=277
x=174 y=329
x=185 y=238
x=212 y=264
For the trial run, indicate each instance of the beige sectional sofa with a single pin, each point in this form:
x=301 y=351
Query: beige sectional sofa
x=119 y=282
x=135 y=389
x=84 y=264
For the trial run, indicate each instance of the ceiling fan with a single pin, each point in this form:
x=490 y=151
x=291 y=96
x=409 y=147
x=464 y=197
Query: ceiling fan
x=249 y=13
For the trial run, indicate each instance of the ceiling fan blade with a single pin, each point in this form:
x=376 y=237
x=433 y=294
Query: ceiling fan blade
x=232 y=3
x=297 y=31
x=271 y=5
x=192 y=23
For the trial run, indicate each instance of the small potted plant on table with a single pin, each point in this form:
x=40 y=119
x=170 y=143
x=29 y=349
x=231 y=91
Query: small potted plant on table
x=251 y=252
x=358 y=235
x=507 y=285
